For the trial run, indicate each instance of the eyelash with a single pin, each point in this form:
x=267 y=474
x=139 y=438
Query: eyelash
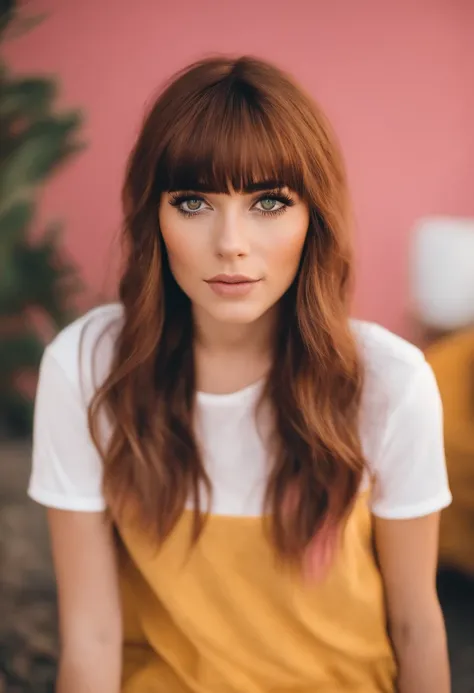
x=286 y=200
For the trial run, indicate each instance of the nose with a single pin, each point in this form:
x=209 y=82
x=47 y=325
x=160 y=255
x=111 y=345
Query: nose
x=231 y=238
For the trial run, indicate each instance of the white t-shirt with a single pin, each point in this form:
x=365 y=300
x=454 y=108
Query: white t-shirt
x=401 y=427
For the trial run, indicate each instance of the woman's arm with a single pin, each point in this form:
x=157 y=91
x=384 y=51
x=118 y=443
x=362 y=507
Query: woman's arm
x=89 y=604
x=408 y=552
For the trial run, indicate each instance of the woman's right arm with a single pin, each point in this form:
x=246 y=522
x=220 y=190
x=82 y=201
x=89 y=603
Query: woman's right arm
x=89 y=604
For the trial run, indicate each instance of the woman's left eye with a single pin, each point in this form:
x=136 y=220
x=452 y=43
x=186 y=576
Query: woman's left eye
x=191 y=204
x=268 y=204
x=272 y=205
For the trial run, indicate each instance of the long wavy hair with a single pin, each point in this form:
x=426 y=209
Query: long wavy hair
x=224 y=123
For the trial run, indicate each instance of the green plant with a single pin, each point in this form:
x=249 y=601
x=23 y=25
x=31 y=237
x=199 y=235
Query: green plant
x=35 y=279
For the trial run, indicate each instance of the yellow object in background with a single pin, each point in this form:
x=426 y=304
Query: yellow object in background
x=452 y=360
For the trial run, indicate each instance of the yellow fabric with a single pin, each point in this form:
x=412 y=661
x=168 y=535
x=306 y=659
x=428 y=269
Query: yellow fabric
x=452 y=360
x=226 y=619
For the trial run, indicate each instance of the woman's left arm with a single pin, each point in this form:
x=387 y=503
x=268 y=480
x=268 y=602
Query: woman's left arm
x=407 y=552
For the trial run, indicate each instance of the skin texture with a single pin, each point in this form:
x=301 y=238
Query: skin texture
x=248 y=234
x=228 y=233
x=89 y=606
x=408 y=557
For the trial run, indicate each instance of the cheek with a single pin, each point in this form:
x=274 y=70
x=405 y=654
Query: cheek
x=179 y=252
x=182 y=248
x=284 y=253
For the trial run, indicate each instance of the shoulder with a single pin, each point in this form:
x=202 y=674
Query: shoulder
x=401 y=427
x=382 y=348
x=397 y=381
x=391 y=363
x=84 y=349
x=66 y=465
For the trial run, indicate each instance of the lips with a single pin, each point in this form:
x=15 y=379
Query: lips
x=232 y=285
x=231 y=279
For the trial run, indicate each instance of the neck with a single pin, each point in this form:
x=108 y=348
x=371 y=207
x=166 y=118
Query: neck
x=228 y=357
x=216 y=337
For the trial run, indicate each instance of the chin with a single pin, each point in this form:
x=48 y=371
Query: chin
x=236 y=313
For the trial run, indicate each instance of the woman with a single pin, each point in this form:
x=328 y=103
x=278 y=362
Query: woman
x=219 y=449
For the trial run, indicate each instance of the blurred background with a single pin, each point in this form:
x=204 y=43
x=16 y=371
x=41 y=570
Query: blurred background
x=396 y=79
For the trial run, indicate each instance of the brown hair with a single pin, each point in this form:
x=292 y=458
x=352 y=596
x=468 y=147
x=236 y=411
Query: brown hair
x=222 y=123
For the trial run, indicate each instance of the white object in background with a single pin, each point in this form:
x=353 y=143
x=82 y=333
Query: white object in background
x=442 y=272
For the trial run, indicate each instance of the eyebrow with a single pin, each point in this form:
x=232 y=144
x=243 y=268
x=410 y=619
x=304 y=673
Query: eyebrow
x=252 y=187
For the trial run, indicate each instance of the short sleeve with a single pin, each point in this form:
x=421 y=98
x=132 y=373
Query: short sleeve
x=410 y=470
x=66 y=467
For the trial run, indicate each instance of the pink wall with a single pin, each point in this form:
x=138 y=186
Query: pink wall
x=396 y=78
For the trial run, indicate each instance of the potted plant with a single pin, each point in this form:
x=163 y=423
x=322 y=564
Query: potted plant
x=37 y=284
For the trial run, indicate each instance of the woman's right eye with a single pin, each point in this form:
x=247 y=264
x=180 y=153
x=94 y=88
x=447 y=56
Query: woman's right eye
x=189 y=205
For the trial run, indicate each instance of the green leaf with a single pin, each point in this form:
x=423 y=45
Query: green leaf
x=11 y=284
x=13 y=227
x=14 y=223
x=22 y=25
x=40 y=150
x=29 y=97
x=20 y=352
x=16 y=414
x=38 y=275
x=7 y=13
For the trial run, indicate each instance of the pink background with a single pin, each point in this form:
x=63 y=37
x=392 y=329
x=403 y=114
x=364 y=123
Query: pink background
x=395 y=77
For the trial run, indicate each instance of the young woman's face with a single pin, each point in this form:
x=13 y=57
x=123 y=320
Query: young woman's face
x=235 y=254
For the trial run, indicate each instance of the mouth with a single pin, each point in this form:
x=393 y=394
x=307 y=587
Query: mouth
x=229 y=285
x=231 y=279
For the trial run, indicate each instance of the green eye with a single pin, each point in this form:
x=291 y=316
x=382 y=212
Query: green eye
x=268 y=204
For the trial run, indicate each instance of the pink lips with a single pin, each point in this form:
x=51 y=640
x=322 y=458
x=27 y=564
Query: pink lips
x=232 y=284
